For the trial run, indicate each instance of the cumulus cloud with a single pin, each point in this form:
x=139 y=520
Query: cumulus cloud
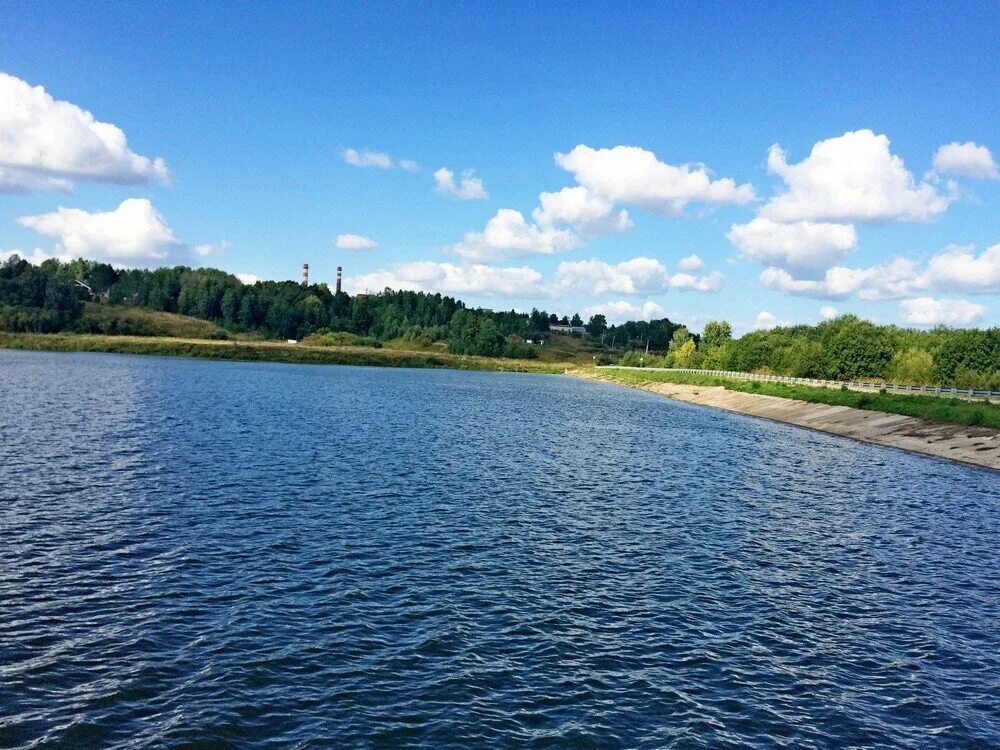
x=635 y=276
x=368 y=159
x=959 y=269
x=709 y=283
x=582 y=210
x=765 y=321
x=134 y=234
x=828 y=312
x=620 y=311
x=928 y=311
x=894 y=279
x=48 y=144
x=509 y=234
x=633 y=175
x=354 y=242
x=467 y=188
x=447 y=278
x=850 y=178
x=691 y=263
x=966 y=160
x=248 y=278
x=803 y=247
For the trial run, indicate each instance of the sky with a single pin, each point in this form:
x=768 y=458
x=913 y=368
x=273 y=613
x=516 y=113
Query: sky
x=776 y=163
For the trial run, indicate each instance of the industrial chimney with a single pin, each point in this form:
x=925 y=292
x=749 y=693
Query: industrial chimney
x=340 y=277
x=305 y=274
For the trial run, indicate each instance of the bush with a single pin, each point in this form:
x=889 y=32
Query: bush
x=913 y=367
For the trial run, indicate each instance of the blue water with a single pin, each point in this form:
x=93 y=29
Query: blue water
x=259 y=555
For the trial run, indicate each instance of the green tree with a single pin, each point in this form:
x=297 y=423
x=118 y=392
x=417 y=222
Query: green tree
x=717 y=333
x=684 y=355
x=913 y=367
x=597 y=325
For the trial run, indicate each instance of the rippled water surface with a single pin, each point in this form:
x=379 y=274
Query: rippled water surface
x=258 y=555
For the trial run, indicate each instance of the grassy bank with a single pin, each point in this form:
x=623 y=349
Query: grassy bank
x=941 y=410
x=267 y=351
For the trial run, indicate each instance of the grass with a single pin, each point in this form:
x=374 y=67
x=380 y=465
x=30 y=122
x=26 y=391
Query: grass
x=942 y=410
x=267 y=351
x=129 y=320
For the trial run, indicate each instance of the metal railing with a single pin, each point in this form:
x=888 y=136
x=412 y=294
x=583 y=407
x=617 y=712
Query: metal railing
x=915 y=390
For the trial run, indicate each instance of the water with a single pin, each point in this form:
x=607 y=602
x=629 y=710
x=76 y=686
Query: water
x=261 y=555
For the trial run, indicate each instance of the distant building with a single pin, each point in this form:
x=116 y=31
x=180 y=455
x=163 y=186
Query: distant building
x=568 y=329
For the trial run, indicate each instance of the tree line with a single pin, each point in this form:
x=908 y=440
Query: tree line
x=51 y=297
x=845 y=348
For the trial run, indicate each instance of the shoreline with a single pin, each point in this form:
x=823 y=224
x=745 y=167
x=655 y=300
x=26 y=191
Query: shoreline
x=972 y=446
x=270 y=351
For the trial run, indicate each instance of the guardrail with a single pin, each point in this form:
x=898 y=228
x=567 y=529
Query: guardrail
x=924 y=390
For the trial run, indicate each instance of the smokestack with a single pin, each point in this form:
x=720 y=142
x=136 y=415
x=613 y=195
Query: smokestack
x=340 y=277
x=305 y=274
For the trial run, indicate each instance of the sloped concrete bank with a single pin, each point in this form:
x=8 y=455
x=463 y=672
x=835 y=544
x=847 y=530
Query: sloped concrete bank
x=979 y=446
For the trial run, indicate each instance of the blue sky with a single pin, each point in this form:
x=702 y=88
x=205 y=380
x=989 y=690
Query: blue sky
x=253 y=108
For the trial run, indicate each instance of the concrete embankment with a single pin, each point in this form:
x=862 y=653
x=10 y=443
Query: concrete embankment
x=979 y=446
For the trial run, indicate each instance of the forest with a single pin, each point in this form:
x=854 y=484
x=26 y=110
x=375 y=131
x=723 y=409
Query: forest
x=51 y=297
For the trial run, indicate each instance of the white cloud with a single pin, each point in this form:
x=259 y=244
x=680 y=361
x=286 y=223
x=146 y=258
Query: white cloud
x=620 y=311
x=959 y=269
x=828 y=312
x=956 y=269
x=248 y=278
x=19 y=181
x=853 y=177
x=635 y=276
x=134 y=234
x=366 y=159
x=468 y=188
x=804 y=247
x=633 y=175
x=47 y=144
x=354 y=242
x=710 y=283
x=928 y=311
x=765 y=321
x=894 y=279
x=691 y=263
x=447 y=278
x=507 y=234
x=966 y=160
x=581 y=209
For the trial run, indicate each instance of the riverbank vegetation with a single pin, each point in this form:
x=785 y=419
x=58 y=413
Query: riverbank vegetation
x=268 y=351
x=85 y=297
x=931 y=409
x=845 y=348
x=94 y=298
